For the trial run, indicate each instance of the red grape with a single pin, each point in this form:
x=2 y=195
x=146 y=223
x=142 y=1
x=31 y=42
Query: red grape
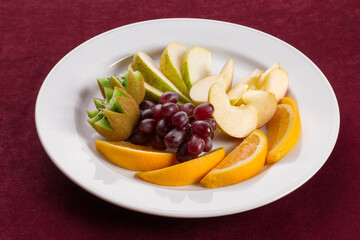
x=180 y=119
x=146 y=105
x=211 y=122
x=138 y=138
x=201 y=128
x=182 y=154
x=169 y=96
x=169 y=109
x=208 y=144
x=147 y=113
x=157 y=142
x=196 y=145
x=156 y=111
x=174 y=138
x=147 y=125
x=188 y=108
x=203 y=111
x=163 y=127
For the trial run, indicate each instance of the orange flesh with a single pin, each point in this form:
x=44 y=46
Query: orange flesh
x=136 y=147
x=280 y=122
x=241 y=152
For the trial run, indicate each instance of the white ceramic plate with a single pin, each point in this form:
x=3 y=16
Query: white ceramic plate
x=67 y=138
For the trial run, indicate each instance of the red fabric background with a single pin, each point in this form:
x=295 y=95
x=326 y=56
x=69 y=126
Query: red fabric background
x=38 y=202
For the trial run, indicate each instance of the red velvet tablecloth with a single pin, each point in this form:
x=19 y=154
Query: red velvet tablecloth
x=38 y=202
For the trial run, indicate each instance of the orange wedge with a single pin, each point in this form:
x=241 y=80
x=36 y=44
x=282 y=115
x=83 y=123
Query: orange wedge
x=135 y=157
x=283 y=130
x=241 y=164
x=184 y=173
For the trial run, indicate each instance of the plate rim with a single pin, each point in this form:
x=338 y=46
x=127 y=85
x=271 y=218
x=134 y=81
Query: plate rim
x=179 y=214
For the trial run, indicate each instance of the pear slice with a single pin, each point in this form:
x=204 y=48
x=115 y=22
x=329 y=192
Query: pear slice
x=153 y=76
x=152 y=94
x=170 y=65
x=227 y=72
x=199 y=92
x=244 y=84
x=236 y=121
x=264 y=102
x=196 y=65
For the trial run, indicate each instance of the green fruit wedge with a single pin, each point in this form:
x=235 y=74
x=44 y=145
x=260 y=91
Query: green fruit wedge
x=170 y=65
x=196 y=65
x=153 y=76
x=135 y=86
x=116 y=116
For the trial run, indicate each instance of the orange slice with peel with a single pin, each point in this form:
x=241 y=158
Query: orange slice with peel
x=283 y=130
x=184 y=173
x=241 y=164
x=135 y=157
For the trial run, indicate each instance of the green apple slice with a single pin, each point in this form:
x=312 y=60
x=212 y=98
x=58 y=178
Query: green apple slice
x=196 y=65
x=236 y=121
x=170 y=65
x=153 y=76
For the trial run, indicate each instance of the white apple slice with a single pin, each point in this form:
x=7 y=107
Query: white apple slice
x=261 y=80
x=153 y=76
x=228 y=73
x=277 y=82
x=199 y=92
x=196 y=65
x=170 y=64
x=244 y=84
x=264 y=102
x=235 y=121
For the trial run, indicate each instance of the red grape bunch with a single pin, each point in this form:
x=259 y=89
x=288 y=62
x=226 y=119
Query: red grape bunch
x=188 y=128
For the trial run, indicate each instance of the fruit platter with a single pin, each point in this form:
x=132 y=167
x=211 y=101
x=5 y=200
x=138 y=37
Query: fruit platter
x=187 y=128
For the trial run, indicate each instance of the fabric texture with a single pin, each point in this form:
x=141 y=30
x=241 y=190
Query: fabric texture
x=38 y=202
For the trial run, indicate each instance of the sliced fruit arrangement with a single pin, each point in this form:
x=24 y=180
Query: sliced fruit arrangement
x=241 y=164
x=168 y=113
x=283 y=130
x=184 y=173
